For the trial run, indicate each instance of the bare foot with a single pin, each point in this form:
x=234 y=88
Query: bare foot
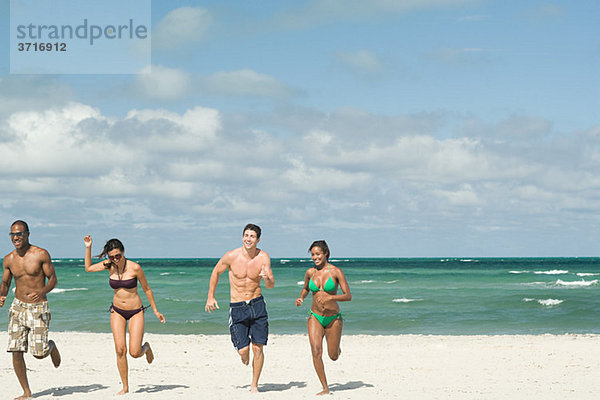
x=24 y=396
x=324 y=391
x=254 y=389
x=54 y=354
x=149 y=353
x=122 y=392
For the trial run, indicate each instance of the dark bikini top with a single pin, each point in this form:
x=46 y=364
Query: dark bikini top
x=329 y=286
x=123 y=283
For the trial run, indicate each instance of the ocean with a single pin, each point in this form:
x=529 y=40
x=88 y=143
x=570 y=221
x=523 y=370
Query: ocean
x=390 y=296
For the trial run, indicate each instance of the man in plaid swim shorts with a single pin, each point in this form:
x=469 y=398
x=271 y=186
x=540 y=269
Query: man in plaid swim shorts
x=29 y=316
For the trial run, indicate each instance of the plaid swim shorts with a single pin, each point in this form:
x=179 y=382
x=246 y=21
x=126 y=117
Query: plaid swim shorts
x=29 y=321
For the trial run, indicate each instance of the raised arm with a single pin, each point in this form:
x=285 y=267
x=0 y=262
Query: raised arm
x=139 y=273
x=305 y=291
x=222 y=266
x=89 y=267
x=6 y=281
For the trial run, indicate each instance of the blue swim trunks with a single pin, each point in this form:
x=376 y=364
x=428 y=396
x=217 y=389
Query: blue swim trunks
x=248 y=321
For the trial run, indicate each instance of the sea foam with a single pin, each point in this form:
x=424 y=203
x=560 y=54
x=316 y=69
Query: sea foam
x=552 y=272
x=405 y=300
x=544 y=302
x=534 y=283
x=577 y=283
x=59 y=290
x=550 y=302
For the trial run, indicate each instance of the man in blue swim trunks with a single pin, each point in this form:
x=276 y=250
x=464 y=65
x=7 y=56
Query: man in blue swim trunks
x=248 y=321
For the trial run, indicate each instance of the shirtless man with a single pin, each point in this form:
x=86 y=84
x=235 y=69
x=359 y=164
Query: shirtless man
x=29 y=316
x=248 y=322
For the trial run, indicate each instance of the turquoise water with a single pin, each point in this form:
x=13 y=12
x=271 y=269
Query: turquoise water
x=389 y=296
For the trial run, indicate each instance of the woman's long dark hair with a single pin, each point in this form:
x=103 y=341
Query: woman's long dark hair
x=111 y=245
x=322 y=245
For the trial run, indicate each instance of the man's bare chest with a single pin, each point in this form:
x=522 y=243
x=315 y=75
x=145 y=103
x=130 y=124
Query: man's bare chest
x=25 y=268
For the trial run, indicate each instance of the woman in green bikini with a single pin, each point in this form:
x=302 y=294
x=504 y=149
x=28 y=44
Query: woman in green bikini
x=325 y=319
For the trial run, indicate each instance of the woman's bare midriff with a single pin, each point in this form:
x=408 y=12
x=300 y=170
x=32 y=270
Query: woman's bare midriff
x=127 y=299
x=326 y=308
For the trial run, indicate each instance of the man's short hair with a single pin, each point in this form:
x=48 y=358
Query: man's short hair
x=22 y=223
x=254 y=228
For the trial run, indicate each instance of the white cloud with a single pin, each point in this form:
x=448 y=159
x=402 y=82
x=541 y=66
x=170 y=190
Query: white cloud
x=515 y=127
x=313 y=179
x=53 y=142
x=159 y=168
x=162 y=83
x=362 y=62
x=232 y=205
x=193 y=130
x=318 y=138
x=407 y=157
x=245 y=82
x=463 y=196
x=181 y=26
x=76 y=143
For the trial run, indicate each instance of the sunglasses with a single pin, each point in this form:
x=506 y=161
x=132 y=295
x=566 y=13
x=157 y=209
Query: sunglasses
x=17 y=234
x=116 y=257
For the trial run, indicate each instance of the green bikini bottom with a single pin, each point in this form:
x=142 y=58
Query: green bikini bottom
x=325 y=320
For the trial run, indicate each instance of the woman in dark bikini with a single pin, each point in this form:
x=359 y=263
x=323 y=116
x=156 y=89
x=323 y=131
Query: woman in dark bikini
x=325 y=318
x=124 y=275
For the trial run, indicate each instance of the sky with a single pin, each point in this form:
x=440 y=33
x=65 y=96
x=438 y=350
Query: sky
x=406 y=128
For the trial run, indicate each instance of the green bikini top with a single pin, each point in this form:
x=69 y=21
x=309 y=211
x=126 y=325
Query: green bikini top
x=329 y=286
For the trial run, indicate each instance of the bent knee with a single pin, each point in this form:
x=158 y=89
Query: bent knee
x=137 y=353
x=244 y=352
x=334 y=357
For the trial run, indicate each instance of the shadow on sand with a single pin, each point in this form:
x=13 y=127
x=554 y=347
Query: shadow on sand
x=275 y=387
x=159 y=388
x=336 y=387
x=66 y=390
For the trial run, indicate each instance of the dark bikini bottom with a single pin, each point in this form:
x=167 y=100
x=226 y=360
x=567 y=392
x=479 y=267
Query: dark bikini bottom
x=127 y=314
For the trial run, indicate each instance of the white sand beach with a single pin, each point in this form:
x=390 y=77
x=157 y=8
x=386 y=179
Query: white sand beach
x=388 y=367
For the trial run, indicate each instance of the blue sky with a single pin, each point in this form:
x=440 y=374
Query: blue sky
x=432 y=128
